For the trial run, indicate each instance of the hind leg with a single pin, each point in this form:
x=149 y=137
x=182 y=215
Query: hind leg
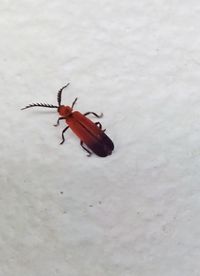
x=89 y=152
x=100 y=126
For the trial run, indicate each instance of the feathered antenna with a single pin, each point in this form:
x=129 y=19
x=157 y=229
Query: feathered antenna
x=40 y=104
x=59 y=96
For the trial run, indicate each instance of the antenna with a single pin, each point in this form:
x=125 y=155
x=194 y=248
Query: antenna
x=40 y=104
x=59 y=96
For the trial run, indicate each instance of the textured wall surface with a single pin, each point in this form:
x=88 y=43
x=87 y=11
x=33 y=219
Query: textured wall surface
x=135 y=212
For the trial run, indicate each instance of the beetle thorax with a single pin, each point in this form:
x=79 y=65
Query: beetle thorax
x=64 y=110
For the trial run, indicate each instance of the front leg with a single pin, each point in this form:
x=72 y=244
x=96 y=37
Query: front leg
x=58 y=121
x=93 y=113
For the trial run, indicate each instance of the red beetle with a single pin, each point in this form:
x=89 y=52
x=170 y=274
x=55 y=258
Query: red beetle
x=90 y=134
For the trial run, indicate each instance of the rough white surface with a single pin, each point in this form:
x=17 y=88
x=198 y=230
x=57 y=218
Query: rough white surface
x=137 y=211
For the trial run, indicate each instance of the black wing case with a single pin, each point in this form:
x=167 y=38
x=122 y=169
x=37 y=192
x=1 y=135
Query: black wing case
x=90 y=134
x=101 y=145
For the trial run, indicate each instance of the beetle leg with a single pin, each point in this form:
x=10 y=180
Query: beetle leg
x=58 y=121
x=93 y=113
x=89 y=153
x=100 y=126
x=74 y=102
x=63 y=138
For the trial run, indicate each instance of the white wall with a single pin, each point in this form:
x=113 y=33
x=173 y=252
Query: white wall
x=135 y=212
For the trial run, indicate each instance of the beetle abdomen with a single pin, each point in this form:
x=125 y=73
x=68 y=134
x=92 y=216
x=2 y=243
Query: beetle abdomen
x=103 y=146
x=90 y=134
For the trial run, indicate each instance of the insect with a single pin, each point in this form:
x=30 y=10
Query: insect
x=92 y=136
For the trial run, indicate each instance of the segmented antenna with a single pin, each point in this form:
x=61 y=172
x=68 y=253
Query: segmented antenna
x=40 y=104
x=59 y=96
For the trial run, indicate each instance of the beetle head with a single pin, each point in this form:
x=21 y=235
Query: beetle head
x=64 y=110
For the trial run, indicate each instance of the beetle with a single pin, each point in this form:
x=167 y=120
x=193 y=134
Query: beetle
x=92 y=136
